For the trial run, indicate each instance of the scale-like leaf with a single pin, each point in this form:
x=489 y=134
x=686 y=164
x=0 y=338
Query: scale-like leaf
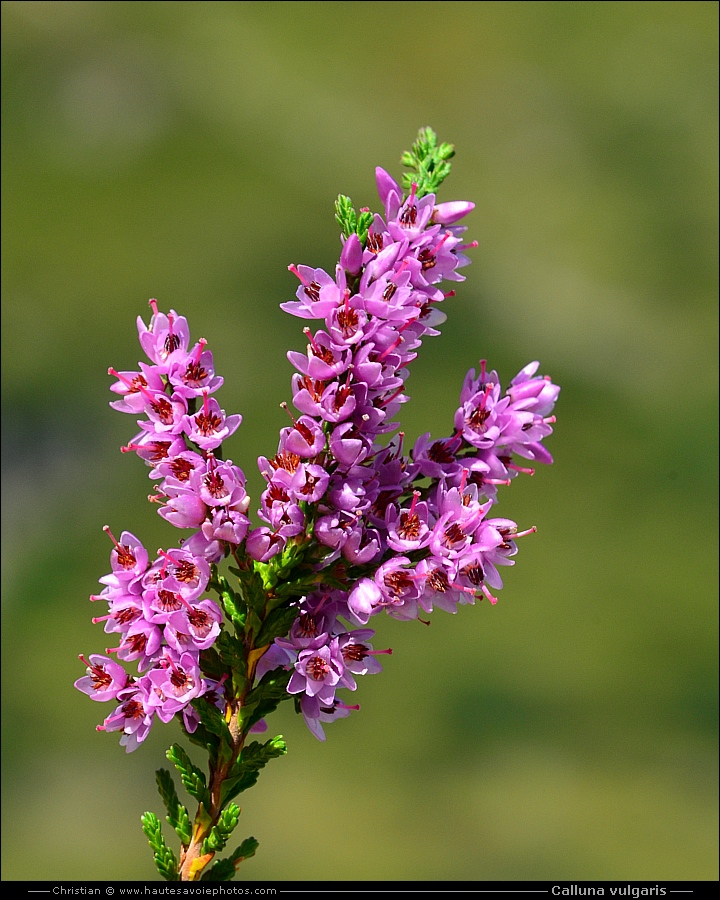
x=177 y=815
x=165 y=860
x=193 y=779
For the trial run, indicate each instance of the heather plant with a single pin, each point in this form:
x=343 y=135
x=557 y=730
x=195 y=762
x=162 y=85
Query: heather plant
x=238 y=618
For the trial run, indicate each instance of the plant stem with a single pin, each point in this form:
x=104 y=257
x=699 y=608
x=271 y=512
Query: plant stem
x=192 y=860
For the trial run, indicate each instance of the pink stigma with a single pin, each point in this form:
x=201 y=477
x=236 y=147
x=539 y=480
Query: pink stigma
x=521 y=469
x=126 y=381
x=392 y=396
x=294 y=269
x=405 y=263
x=490 y=597
x=441 y=242
x=199 y=351
x=390 y=348
x=416 y=494
x=106 y=529
x=316 y=349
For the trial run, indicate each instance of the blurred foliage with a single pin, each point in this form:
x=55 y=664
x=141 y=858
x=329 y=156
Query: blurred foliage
x=190 y=151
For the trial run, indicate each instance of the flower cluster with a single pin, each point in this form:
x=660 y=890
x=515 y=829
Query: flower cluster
x=158 y=608
x=352 y=524
x=407 y=533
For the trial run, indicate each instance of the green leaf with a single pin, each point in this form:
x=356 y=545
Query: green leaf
x=222 y=870
x=193 y=779
x=429 y=162
x=244 y=851
x=211 y=665
x=219 y=740
x=365 y=220
x=349 y=221
x=276 y=624
x=220 y=833
x=253 y=584
x=253 y=625
x=177 y=815
x=211 y=718
x=232 y=654
x=165 y=860
x=246 y=770
x=233 y=602
x=225 y=869
x=201 y=737
x=265 y=697
x=345 y=215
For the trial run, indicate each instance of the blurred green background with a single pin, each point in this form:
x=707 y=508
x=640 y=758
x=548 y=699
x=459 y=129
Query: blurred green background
x=190 y=151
